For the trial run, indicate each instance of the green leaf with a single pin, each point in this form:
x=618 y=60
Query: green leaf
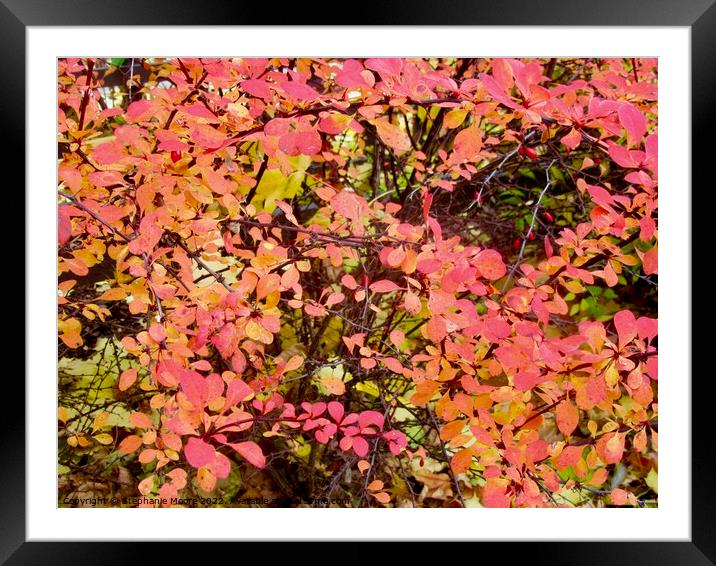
x=652 y=480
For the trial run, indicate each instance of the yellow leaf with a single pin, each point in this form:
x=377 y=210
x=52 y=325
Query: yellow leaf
x=368 y=387
x=63 y=414
x=205 y=479
x=104 y=438
x=652 y=480
x=100 y=420
x=454 y=118
x=254 y=330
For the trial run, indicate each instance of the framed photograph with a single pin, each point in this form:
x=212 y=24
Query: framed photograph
x=395 y=280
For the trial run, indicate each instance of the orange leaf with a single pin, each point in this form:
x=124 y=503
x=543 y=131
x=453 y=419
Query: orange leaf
x=130 y=444
x=567 y=417
x=382 y=497
x=392 y=135
x=375 y=485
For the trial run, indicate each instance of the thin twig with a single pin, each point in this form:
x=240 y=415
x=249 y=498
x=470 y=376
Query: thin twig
x=535 y=210
x=447 y=459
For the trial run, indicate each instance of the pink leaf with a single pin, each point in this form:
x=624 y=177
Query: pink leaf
x=490 y=264
x=633 y=121
x=350 y=205
x=236 y=392
x=139 y=109
x=336 y=410
x=371 y=418
x=386 y=67
x=199 y=453
x=572 y=139
x=622 y=156
x=256 y=87
x=383 y=286
x=109 y=152
x=360 y=446
x=251 y=452
x=647 y=328
x=194 y=387
x=64 y=226
x=625 y=323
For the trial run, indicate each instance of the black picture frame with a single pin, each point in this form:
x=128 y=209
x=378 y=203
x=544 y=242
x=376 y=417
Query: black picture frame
x=698 y=15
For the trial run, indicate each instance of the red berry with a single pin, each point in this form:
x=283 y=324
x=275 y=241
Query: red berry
x=176 y=156
x=548 y=217
x=517 y=244
x=531 y=153
x=531 y=235
x=521 y=150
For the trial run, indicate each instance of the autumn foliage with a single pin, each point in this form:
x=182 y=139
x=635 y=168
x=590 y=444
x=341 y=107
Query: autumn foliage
x=399 y=282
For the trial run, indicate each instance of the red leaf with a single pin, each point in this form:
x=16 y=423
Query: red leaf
x=596 y=389
x=548 y=249
x=412 y=303
x=570 y=456
x=198 y=110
